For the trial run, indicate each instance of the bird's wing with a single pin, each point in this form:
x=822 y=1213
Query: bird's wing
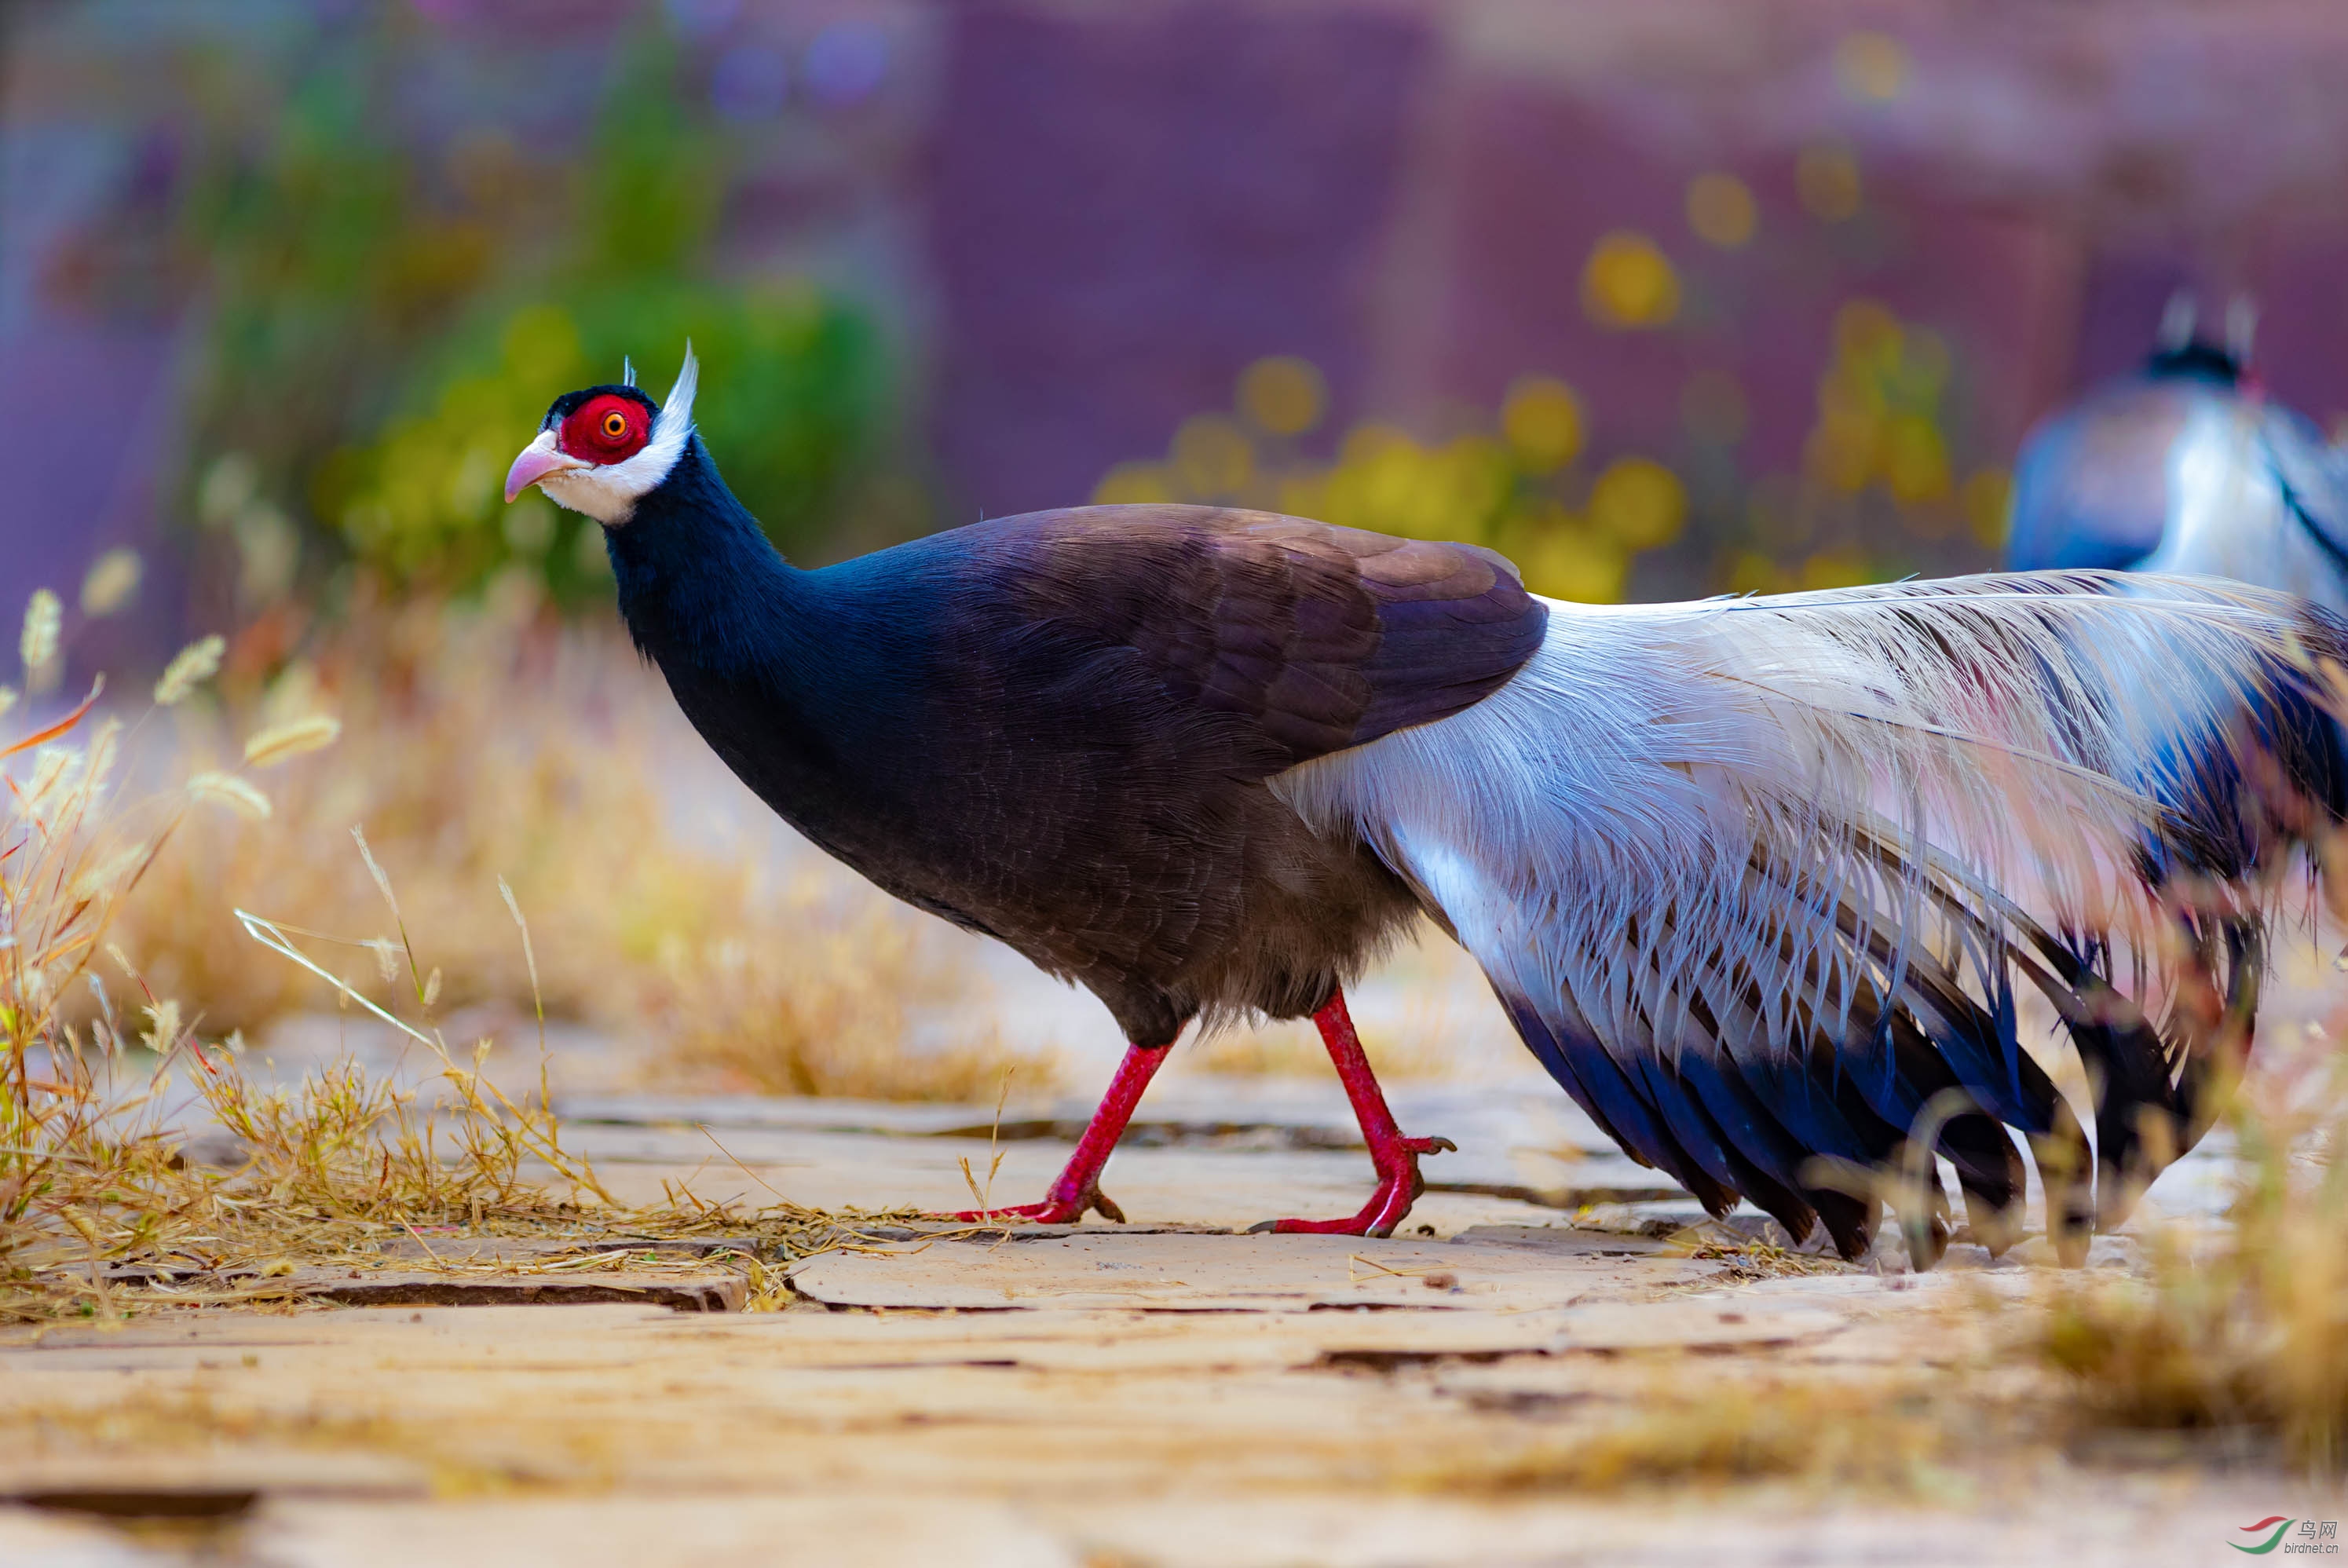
x=1306 y=637
x=1758 y=880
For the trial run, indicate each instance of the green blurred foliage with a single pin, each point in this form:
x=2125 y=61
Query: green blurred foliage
x=386 y=328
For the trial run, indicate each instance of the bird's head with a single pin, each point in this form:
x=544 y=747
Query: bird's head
x=601 y=451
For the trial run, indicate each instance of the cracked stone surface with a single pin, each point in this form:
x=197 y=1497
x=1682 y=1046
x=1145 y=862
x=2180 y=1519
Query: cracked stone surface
x=1168 y=1392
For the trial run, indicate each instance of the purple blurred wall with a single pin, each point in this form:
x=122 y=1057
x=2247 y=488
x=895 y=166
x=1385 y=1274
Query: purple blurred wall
x=1094 y=215
x=1133 y=204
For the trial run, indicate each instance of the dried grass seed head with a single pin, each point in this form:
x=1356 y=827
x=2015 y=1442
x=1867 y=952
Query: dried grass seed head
x=43 y=620
x=190 y=668
x=112 y=579
x=227 y=790
x=280 y=741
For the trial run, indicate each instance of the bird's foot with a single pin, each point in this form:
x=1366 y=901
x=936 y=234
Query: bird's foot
x=1399 y=1186
x=1061 y=1207
x=1076 y=1189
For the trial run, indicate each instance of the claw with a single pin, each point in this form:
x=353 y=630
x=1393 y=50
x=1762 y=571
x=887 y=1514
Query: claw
x=1077 y=1189
x=1057 y=1210
x=1053 y=1210
x=1393 y=1156
x=1399 y=1186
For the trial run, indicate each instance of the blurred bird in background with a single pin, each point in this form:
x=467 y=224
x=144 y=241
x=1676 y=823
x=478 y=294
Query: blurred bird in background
x=1760 y=882
x=2187 y=467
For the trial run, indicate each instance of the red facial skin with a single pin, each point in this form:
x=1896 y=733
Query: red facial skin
x=606 y=429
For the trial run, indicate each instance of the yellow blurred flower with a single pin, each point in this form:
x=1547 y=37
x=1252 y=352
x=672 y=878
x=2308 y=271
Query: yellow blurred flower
x=1871 y=65
x=1750 y=572
x=1628 y=282
x=1639 y=503
x=1986 y=501
x=1915 y=460
x=1542 y=420
x=1567 y=561
x=1134 y=484
x=1867 y=335
x=1282 y=395
x=1837 y=569
x=1212 y=458
x=1720 y=210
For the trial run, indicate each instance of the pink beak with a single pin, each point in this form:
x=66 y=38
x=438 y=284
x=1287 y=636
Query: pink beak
x=534 y=464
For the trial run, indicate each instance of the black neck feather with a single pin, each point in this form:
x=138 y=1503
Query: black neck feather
x=2195 y=361
x=699 y=582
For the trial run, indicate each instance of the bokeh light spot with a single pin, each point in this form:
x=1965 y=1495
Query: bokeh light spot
x=1134 y=484
x=1751 y=571
x=1567 y=561
x=846 y=62
x=1721 y=210
x=1872 y=67
x=1628 y=282
x=1915 y=460
x=1282 y=395
x=1826 y=179
x=1638 y=502
x=1868 y=334
x=1837 y=569
x=1213 y=456
x=1987 y=501
x=1542 y=420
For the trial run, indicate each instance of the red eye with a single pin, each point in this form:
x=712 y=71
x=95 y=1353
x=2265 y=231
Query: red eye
x=606 y=429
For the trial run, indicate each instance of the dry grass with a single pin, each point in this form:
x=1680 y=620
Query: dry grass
x=2244 y=1328
x=1703 y=1429
x=335 y=1171
x=91 y=1174
x=830 y=1015
x=671 y=909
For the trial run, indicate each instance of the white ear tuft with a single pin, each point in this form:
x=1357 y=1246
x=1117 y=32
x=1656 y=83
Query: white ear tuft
x=2242 y=326
x=2177 y=322
x=677 y=413
x=627 y=371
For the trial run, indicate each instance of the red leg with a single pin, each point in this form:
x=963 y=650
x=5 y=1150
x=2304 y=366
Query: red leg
x=1394 y=1157
x=1078 y=1187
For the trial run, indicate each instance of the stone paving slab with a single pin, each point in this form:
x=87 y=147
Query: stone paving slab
x=1190 y=1273
x=1158 y=1394
x=2130 y=1527
x=1521 y=1139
